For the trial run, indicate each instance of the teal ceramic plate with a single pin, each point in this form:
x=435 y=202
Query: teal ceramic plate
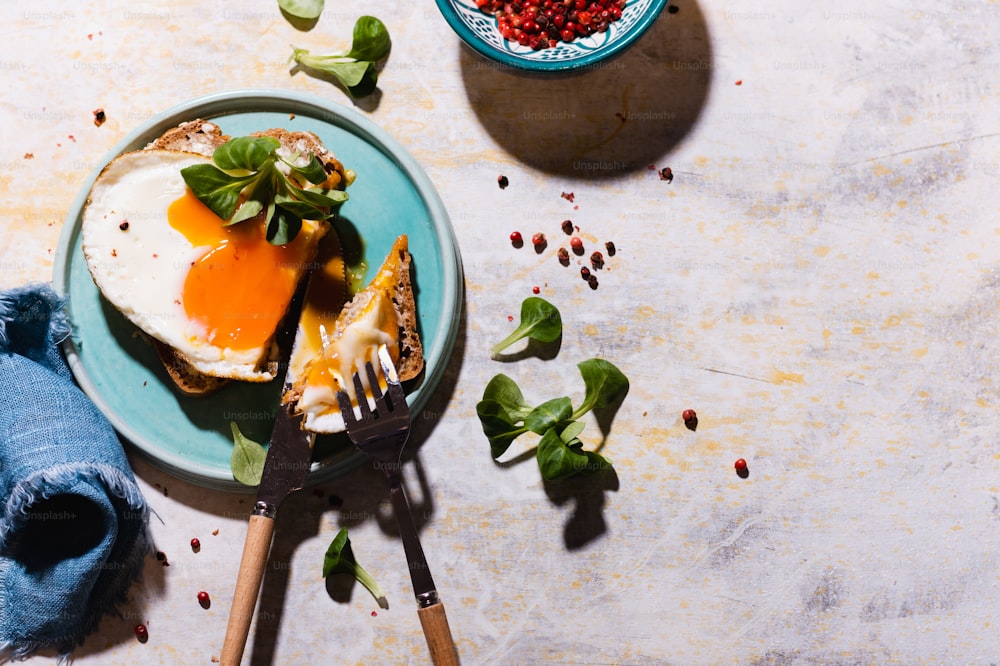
x=190 y=438
x=479 y=31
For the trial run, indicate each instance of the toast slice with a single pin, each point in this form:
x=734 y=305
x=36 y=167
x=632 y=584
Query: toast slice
x=328 y=351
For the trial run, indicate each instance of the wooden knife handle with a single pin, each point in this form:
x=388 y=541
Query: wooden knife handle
x=438 y=635
x=252 y=565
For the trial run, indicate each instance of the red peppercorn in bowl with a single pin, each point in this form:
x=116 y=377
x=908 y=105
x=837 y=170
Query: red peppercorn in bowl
x=550 y=35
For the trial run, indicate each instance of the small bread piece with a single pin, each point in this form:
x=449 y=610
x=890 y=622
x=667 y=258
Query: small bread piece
x=194 y=136
x=393 y=275
x=302 y=144
x=383 y=313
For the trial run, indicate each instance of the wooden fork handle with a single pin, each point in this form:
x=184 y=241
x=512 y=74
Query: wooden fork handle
x=252 y=565
x=438 y=635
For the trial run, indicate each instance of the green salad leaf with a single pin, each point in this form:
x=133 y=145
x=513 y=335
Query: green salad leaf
x=556 y=459
x=339 y=559
x=605 y=385
x=247 y=459
x=505 y=416
x=540 y=320
x=247 y=168
x=353 y=69
x=303 y=9
x=371 y=40
x=548 y=415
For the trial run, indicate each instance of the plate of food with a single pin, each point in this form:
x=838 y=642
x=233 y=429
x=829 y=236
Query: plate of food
x=184 y=290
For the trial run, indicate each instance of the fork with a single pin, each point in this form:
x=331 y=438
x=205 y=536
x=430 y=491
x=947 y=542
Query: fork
x=382 y=433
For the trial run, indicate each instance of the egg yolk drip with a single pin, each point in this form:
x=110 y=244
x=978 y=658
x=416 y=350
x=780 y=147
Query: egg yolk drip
x=237 y=291
x=325 y=298
x=377 y=325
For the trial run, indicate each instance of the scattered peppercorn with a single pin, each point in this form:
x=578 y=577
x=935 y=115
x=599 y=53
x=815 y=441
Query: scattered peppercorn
x=374 y=614
x=741 y=468
x=739 y=82
x=563 y=255
x=536 y=290
x=195 y=544
x=610 y=247
x=215 y=532
x=568 y=196
x=666 y=174
x=502 y=181
x=592 y=281
x=141 y=633
x=515 y=239
x=99 y=117
x=567 y=227
x=690 y=419
x=597 y=260
x=577 y=244
x=204 y=599
x=124 y=225
x=538 y=240
x=585 y=272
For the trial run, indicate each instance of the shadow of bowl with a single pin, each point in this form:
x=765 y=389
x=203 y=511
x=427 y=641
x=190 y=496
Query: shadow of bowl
x=606 y=121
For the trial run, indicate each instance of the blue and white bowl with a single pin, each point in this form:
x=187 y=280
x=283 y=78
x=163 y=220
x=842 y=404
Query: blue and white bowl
x=479 y=30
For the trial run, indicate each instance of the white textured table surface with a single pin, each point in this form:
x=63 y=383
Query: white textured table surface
x=819 y=282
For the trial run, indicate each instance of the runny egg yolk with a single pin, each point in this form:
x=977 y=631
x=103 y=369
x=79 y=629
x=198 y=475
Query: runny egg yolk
x=377 y=325
x=237 y=291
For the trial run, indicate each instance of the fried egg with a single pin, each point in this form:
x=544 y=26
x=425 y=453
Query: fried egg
x=215 y=294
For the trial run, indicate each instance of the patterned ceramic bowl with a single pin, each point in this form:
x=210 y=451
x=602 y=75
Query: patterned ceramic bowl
x=479 y=30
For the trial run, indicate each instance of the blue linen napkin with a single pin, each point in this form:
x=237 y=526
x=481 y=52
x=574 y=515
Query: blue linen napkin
x=73 y=522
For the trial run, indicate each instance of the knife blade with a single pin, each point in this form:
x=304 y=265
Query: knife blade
x=288 y=461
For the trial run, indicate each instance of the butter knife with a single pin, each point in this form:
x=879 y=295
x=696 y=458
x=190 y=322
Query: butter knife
x=285 y=470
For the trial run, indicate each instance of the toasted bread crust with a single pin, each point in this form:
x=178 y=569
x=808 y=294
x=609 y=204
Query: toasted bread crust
x=302 y=142
x=187 y=380
x=411 y=351
x=194 y=136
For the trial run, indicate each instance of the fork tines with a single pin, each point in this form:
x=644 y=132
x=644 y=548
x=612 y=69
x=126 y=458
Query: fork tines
x=394 y=391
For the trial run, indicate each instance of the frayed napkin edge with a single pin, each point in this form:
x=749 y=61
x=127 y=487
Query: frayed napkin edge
x=11 y=299
x=118 y=485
